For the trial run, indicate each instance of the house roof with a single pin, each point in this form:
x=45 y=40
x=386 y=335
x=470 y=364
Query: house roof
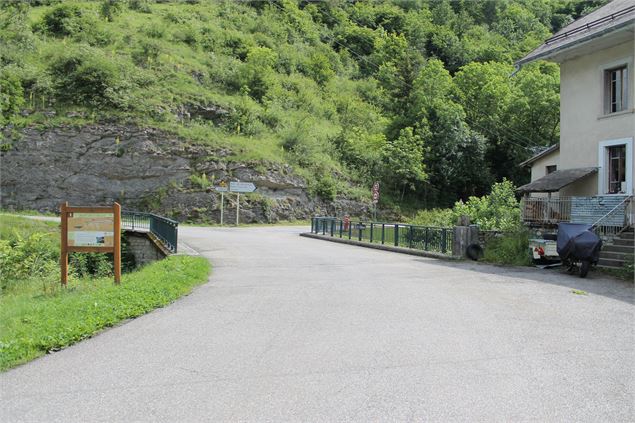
x=608 y=18
x=557 y=180
x=542 y=154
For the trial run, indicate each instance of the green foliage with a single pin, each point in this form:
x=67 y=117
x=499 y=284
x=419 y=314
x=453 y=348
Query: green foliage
x=33 y=324
x=11 y=95
x=510 y=248
x=403 y=159
x=201 y=181
x=499 y=210
x=65 y=20
x=87 y=77
x=111 y=8
x=353 y=90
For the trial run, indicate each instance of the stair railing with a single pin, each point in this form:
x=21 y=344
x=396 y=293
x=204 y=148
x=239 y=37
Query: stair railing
x=605 y=227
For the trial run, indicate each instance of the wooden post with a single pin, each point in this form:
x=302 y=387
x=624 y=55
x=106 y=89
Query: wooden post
x=116 y=208
x=64 y=244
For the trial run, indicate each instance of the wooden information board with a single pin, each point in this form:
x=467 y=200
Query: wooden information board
x=88 y=230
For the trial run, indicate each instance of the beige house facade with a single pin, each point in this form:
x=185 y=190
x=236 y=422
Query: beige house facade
x=595 y=157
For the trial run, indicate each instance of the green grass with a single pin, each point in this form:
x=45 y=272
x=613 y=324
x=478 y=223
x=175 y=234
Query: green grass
x=33 y=323
x=12 y=225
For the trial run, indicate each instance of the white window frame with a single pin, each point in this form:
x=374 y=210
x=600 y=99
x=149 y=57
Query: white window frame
x=604 y=68
x=603 y=184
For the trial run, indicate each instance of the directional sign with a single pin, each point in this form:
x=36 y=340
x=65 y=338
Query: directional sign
x=221 y=189
x=241 y=187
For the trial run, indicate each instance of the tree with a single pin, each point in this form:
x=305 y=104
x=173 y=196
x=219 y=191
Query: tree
x=403 y=161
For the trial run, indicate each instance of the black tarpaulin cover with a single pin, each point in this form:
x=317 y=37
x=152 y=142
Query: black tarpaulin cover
x=577 y=242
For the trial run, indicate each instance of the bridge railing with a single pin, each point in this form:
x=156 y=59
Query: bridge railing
x=424 y=238
x=166 y=230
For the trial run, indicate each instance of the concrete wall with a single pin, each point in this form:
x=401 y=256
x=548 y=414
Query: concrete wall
x=539 y=167
x=583 y=124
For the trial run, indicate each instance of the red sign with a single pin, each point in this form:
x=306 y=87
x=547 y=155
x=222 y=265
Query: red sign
x=347 y=222
x=375 y=192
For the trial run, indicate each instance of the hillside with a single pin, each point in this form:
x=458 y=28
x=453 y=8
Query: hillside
x=335 y=95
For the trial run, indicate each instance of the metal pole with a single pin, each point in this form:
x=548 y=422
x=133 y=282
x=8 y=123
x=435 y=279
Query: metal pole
x=237 y=208
x=222 y=203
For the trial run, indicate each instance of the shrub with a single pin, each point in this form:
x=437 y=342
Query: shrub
x=111 y=8
x=326 y=188
x=85 y=76
x=499 y=210
x=24 y=258
x=65 y=20
x=434 y=217
x=11 y=95
x=510 y=248
x=139 y=6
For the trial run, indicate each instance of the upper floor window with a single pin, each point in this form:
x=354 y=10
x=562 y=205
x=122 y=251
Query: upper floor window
x=551 y=169
x=616 y=89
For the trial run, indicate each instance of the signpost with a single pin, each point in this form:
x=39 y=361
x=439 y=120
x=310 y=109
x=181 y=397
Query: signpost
x=222 y=188
x=236 y=187
x=239 y=187
x=375 y=197
x=88 y=230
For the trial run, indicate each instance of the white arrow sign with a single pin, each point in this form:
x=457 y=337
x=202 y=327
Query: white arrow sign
x=242 y=187
x=221 y=189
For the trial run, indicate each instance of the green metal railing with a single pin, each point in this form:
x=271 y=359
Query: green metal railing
x=423 y=238
x=166 y=230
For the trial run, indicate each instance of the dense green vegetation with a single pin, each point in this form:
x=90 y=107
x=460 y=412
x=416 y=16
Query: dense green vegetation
x=417 y=94
x=37 y=315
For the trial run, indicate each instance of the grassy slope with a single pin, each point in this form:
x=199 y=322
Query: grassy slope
x=182 y=54
x=35 y=319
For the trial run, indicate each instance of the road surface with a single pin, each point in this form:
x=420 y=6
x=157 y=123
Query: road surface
x=298 y=329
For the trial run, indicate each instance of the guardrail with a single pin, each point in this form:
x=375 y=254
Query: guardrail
x=166 y=230
x=398 y=234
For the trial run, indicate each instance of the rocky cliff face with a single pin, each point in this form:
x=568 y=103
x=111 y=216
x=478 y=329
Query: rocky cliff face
x=146 y=169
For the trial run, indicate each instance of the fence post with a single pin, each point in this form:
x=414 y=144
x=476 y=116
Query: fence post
x=426 y=240
x=410 y=236
x=443 y=240
x=312 y=222
x=359 y=226
x=341 y=227
x=332 y=226
x=371 y=233
x=350 y=230
x=383 y=233
x=323 y=226
x=397 y=235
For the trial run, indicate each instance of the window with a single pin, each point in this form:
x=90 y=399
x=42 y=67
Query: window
x=616 y=90
x=551 y=169
x=616 y=168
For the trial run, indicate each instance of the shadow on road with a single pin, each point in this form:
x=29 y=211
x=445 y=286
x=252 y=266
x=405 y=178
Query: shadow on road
x=595 y=283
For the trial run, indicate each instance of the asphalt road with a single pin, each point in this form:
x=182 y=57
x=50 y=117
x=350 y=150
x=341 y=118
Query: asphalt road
x=297 y=329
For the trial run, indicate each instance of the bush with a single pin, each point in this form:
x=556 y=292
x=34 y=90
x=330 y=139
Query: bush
x=326 y=188
x=85 y=76
x=11 y=95
x=65 y=20
x=33 y=256
x=499 y=210
x=510 y=248
x=434 y=217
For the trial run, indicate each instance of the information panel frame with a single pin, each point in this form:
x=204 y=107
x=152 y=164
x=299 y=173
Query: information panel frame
x=100 y=222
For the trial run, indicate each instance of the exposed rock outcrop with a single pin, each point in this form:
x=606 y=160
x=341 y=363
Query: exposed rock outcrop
x=147 y=169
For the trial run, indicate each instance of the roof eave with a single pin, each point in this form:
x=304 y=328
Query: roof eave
x=548 y=54
x=548 y=151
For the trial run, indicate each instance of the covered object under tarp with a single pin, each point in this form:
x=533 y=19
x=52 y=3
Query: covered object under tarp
x=557 y=180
